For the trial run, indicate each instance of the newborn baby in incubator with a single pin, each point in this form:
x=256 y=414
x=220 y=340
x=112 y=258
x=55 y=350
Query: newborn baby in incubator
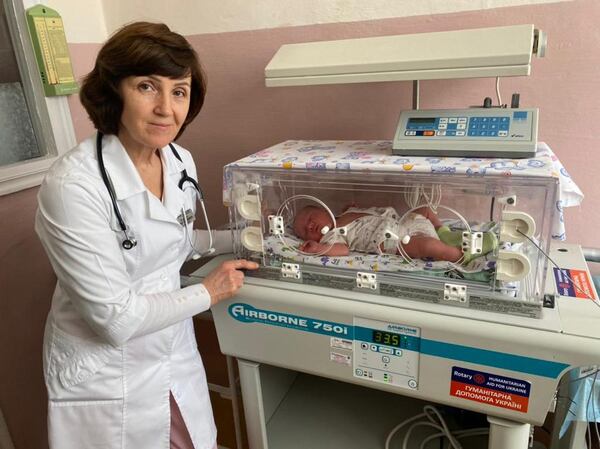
x=364 y=230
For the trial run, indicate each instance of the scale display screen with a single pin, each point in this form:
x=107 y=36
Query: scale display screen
x=421 y=120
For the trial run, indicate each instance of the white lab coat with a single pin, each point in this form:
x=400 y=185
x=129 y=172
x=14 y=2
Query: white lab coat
x=119 y=336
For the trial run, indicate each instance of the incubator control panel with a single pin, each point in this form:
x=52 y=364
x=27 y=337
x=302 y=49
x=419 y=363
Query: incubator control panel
x=387 y=352
x=481 y=132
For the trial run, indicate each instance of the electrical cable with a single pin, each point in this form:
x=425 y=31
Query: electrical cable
x=434 y=420
x=593 y=373
x=399 y=426
x=498 y=91
x=458 y=435
x=587 y=407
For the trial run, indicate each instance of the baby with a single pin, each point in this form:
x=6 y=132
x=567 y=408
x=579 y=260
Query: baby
x=366 y=228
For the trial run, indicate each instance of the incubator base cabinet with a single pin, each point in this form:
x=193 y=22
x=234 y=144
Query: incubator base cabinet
x=304 y=350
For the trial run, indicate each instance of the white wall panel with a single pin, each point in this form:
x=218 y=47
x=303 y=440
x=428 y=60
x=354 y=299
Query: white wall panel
x=217 y=16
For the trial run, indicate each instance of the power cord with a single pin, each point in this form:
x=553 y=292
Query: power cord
x=435 y=420
x=498 y=91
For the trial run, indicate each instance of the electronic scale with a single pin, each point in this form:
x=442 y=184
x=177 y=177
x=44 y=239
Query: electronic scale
x=481 y=132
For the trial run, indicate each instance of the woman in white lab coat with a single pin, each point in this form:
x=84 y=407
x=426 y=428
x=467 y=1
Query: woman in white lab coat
x=121 y=363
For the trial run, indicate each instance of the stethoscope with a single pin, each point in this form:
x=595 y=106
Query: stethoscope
x=129 y=242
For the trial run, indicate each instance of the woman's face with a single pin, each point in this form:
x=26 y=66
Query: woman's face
x=154 y=109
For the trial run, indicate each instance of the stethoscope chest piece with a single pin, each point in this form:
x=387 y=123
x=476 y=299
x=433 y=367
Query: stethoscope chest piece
x=129 y=243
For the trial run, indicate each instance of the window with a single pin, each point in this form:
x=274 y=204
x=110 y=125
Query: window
x=34 y=129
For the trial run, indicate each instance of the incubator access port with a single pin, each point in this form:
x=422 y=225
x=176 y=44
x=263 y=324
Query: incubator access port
x=512 y=266
x=248 y=206
x=251 y=238
x=516 y=226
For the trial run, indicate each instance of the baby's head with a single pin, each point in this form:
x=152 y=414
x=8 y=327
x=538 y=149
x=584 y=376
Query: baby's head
x=309 y=221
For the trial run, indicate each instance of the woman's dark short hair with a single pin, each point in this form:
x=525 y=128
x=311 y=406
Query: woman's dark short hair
x=139 y=49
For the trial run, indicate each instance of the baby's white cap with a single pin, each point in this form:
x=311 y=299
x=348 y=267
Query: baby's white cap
x=324 y=230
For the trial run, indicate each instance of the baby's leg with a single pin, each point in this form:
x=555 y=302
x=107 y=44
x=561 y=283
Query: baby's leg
x=422 y=247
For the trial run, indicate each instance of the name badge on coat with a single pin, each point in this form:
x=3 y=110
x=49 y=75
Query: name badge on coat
x=189 y=217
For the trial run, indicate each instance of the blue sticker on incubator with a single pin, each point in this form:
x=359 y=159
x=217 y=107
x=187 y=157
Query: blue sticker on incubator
x=492 y=389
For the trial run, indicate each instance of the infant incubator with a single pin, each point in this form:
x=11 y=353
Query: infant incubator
x=501 y=215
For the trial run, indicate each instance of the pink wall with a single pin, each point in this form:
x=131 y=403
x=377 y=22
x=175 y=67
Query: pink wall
x=242 y=116
x=26 y=285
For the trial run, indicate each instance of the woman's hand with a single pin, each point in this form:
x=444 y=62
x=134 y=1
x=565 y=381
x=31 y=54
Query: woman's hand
x=225 y=280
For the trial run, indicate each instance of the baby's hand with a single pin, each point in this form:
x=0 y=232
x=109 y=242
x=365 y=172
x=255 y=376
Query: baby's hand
x=312 y=247
x=348 y=206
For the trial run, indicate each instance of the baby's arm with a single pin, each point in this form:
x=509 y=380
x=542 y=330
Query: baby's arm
x=337 y=249
x=430 y=215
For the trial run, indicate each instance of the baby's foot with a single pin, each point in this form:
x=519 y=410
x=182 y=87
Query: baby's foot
x=454 y=238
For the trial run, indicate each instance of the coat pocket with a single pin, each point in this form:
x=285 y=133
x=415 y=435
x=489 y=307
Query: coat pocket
x=85 y=424
x=72 y=360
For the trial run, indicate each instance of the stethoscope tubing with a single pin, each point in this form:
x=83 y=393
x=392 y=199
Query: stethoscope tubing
x=129 y=242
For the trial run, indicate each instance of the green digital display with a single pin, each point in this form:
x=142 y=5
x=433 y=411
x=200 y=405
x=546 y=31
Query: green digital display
x=387 y=338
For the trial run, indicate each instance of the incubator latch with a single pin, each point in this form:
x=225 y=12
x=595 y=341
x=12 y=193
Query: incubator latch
x=455 y=293
x=291 y=270
x=366 y=280
x=276 y=224
x=472 y=242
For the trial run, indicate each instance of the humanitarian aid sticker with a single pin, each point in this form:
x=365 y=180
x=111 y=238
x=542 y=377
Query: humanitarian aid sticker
x=574 y=283
x=491 y=389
